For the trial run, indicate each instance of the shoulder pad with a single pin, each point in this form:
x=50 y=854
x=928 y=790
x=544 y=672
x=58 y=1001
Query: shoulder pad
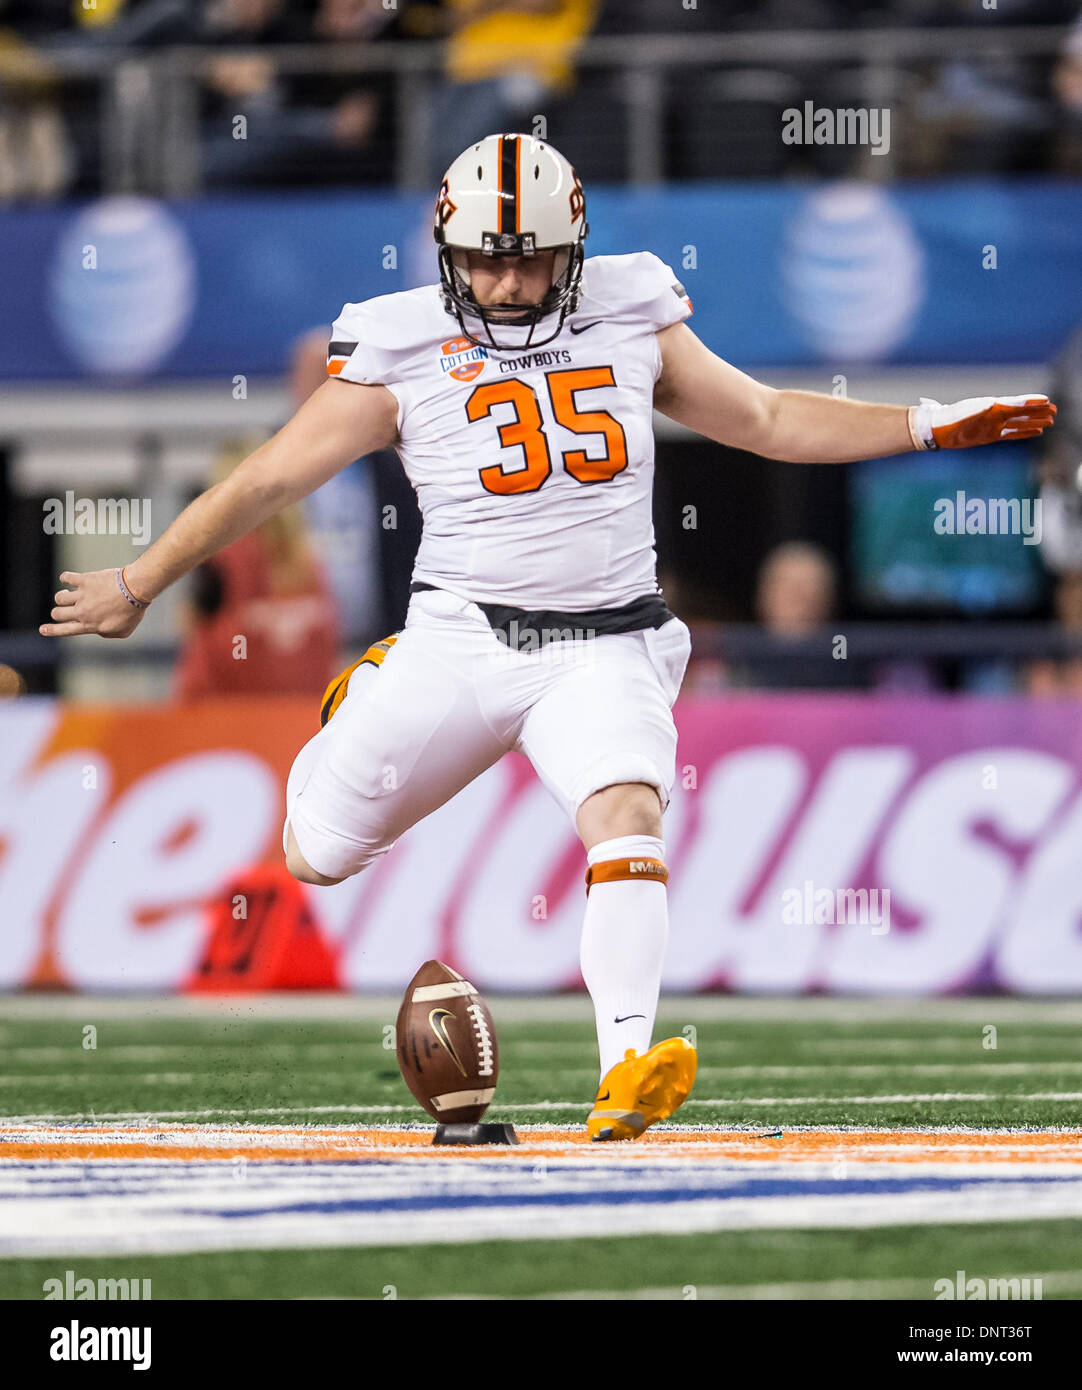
x=639 y=286
x=370 y=341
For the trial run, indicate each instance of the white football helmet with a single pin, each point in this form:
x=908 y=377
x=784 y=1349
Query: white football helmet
x=510 y=195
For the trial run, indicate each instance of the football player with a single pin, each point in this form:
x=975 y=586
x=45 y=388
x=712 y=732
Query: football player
x=518 y=392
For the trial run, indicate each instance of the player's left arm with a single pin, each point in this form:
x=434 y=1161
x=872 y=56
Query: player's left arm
x=712 y=397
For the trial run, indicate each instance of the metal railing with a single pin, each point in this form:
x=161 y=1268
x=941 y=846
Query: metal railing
x=149 y=100
x=735 y=643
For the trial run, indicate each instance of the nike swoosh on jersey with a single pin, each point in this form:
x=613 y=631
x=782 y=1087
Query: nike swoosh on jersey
x=581 y=328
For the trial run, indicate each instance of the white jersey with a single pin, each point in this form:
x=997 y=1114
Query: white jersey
x=533 y=468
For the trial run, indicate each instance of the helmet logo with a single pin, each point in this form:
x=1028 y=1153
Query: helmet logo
x=445 y=209
x=577 y=200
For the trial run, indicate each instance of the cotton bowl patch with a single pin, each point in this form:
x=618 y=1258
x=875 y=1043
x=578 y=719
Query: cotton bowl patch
x=463 y=359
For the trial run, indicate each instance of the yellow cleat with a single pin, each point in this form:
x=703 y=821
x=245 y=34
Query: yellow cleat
x=339 y=687
x=639 y=1091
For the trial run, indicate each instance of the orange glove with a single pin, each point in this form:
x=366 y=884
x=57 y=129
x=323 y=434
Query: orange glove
x=983 y=420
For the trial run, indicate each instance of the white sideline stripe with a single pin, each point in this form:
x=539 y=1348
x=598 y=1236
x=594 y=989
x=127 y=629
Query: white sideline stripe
x=899 y=1098
x=675 y=1011
x=454 y=1100
x=424 y=993
x=1059 y=1281
x=149 y=1078
x=921 y=1068
x=71 y=1227
x=176 y=1120
x=1019 y=1042
x=147 y=1051
x=92 y=1116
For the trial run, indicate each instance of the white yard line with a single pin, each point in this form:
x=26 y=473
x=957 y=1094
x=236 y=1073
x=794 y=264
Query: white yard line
x=183 y=1119
x=1061 y=1281
x=921 y=1068
x=973 y=1042
x=145 y=1052
x=91 y=1074
x=150 y=1116
x=65 y=1227
x=675 y=1011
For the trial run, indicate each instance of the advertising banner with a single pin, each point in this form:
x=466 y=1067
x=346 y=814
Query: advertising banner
x=128 y=289
x=832 y=843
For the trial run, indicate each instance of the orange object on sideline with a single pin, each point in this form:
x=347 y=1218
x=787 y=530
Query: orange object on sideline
x=275 y=944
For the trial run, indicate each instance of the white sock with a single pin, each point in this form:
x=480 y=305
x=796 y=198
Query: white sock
x=624 y=935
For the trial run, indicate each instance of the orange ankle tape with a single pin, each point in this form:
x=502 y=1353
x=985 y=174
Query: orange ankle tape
x=613 y=870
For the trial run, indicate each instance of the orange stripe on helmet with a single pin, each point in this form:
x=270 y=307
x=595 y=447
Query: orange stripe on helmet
x=518 y=184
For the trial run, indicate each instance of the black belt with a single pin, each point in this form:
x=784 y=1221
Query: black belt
x=521 y=628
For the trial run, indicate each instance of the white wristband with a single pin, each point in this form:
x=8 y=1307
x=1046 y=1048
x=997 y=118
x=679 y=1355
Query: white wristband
x=920 y=424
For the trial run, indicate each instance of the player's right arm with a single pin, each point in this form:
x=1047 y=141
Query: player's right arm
x=338 y=423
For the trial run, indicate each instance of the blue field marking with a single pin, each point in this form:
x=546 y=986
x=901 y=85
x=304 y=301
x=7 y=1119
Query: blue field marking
x=173 y=1205
x=745 y=1188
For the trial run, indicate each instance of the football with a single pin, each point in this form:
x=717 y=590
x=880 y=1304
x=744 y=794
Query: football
x=11 y=683
x=447 y=1045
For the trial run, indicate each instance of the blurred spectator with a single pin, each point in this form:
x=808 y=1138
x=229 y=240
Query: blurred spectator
x=262 y=126
x=261 y=617
x=36 y=19
x=795 y=600
x=343 y=515
x=1067 y=86
x=1064 y=677
x=36 y=158
x=988 y=113
x=504 y=59
x=365 y=522
x=1061 y=521
x=797 y=590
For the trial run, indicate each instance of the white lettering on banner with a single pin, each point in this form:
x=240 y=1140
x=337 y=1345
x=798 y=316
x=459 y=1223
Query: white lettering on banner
x=521 y=953
x=224 y=807
x=829 y=844
x=1040 y=950
x=32 y=861
x=344 y=907
x=976 y=876
x=414 y=888
x=744 y=804
x=956 y=880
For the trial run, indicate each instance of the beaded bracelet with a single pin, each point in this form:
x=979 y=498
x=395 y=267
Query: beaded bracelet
x=135 y=602
x=914 y=432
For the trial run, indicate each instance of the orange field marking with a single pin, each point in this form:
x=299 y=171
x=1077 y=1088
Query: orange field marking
x=333 y=1144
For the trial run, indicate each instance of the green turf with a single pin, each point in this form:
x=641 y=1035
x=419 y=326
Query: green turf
x=874 y=1259
x=251 y=1068
x=328 y=1070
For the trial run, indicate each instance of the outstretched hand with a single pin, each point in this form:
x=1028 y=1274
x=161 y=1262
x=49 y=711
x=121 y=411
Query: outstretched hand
x=983 y=420
x=91 y=603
